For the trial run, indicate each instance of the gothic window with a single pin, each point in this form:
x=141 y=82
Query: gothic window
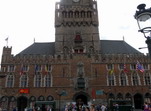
x=147 y=78
x=119 y=96
x=81 y=83
x=111 y=80
x=12 y=100
x=89 y=14
x=64 y=14
x=11 y=68
x=38 y=80
x=111 y=96
x=24 y=80
x=82 y=14
x=135 y=79
x=128 y=96
x=70 y=14
x=76 y=14
x=4 y=102
x=10 y=80
x=121 y=66
x=47 y=80
x=41 y=98
x=38 y=68
x=3 y=69
x=133 y=66
x=25 y=68
x=50 y=98
x=110 y=66
x=123 y=81
x=145 y=66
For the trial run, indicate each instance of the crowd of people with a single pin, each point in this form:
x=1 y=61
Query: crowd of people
x=92 y=107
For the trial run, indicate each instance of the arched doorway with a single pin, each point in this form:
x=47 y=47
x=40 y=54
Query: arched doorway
x=81 y=98
x=21 y=103
x=138 y=101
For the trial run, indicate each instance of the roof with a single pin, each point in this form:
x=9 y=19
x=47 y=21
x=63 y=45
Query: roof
x=117 y=47
x=107 y=47
x=46 y=48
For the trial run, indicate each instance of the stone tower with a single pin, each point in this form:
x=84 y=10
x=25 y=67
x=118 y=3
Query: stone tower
x=76 y=27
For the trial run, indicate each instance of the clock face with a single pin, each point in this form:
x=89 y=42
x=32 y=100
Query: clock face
x=76 y=0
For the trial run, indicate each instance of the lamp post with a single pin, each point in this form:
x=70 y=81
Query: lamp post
x=143 y=17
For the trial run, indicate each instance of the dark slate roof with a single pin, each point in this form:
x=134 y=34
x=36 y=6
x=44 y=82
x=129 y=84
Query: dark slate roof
x=117 y=47
x=107 y=47
x=39 y=48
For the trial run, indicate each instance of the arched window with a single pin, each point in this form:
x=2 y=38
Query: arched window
x=4 y=102
x=128 y=96
x=82 y=14
x=135 y=79
x=111 y=96
x=38 y=80
x=47 y=80
x=64 y=14
x=147 y=79
x=76 y=14
x=24 y=80
x=89 y=14
x=111 y=79
x=10 y=80
x=70 y=14
x=41 y=98
x=119 y=96
x=123 y=81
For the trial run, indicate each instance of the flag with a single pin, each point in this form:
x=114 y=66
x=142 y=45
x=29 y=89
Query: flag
x=139 y=67
x=125 y=69
x=36 y=68
x=93 y=94
x=6 y=39
x=111 y=71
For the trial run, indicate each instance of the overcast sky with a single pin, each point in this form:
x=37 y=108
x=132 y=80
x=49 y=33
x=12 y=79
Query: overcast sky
x=24 y=20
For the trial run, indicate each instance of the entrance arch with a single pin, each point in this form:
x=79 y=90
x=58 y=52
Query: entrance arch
x=138 y=101
x=22 y=103
x=81 y=98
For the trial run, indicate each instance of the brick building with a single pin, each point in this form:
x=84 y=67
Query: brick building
x=77 y=68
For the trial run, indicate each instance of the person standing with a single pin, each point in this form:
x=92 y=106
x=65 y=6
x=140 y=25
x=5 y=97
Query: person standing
x=146 y=107
x=103 y=107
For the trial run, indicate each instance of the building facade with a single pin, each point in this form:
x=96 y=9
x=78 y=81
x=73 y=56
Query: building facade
x=77 y=68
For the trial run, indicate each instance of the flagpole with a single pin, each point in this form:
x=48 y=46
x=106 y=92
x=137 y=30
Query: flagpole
x=6 y=41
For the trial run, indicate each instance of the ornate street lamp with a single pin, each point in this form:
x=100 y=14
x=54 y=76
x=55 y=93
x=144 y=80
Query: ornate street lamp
x=143 y=17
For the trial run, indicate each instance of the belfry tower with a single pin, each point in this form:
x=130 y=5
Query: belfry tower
x=76 y=27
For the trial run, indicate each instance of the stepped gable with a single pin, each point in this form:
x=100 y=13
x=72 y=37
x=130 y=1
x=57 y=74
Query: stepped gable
x=117 y=47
